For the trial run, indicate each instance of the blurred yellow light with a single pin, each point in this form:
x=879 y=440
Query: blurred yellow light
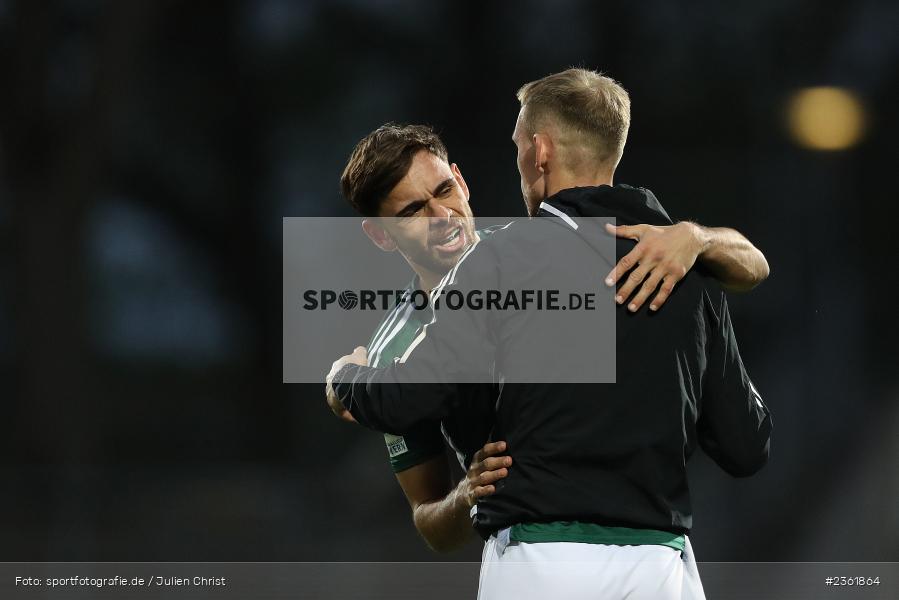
x=826 y=118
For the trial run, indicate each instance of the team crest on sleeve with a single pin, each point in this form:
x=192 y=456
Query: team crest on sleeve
x=396 y=445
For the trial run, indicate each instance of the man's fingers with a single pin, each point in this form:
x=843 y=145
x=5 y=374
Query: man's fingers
x=662 y=257
x=631 y=232
x=490 y=449
x=490 y=463
x=649 y=286
x=631 y=282
x=486 y=469
x=495 y=462
x=627 y=262
x=484 y=490
x=488 y=477
x=664 y=292
x=335 y=366
x=360 y=355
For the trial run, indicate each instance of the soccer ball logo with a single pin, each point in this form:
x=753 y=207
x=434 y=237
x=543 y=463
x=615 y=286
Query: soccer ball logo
x=347 y=300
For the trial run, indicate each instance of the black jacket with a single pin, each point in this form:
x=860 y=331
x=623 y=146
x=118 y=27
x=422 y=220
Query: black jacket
x=613 y=454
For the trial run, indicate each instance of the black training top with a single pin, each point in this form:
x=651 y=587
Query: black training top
x=612 y=454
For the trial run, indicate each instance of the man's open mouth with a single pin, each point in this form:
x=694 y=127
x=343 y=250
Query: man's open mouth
x=452 y=240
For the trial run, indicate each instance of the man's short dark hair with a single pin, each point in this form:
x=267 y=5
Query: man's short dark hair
x=381 y=159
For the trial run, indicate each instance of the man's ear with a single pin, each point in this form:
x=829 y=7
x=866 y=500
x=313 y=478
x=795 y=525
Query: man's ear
x=460 y=180
x=378 y=235
x=543 y=148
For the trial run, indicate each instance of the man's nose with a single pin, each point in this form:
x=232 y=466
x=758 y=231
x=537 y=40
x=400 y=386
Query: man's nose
x=440 y=213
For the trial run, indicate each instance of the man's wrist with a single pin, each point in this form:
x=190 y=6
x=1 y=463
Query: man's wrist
x=461 y=498
x=703 y=235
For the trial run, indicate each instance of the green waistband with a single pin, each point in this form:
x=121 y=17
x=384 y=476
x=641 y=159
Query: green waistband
x=592 y=533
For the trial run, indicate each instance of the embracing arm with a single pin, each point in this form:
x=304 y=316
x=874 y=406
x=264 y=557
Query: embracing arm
x=731 y=258
x=664 y=254
x=440 y=511
x=455 y=347
x=388 y=399
x=401 y=395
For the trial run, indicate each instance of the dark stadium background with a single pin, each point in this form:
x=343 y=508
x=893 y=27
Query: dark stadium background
x=148 y=151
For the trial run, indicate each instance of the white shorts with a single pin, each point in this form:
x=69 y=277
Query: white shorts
x=575 y=571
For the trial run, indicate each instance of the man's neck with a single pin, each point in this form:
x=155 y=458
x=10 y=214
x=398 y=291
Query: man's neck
x=566 y=180
x=427 y=280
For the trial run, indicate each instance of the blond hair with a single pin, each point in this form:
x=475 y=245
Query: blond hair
x=592 y=113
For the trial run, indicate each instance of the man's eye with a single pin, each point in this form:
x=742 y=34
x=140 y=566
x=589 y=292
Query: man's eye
x=446 y=191
x=410 y=211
